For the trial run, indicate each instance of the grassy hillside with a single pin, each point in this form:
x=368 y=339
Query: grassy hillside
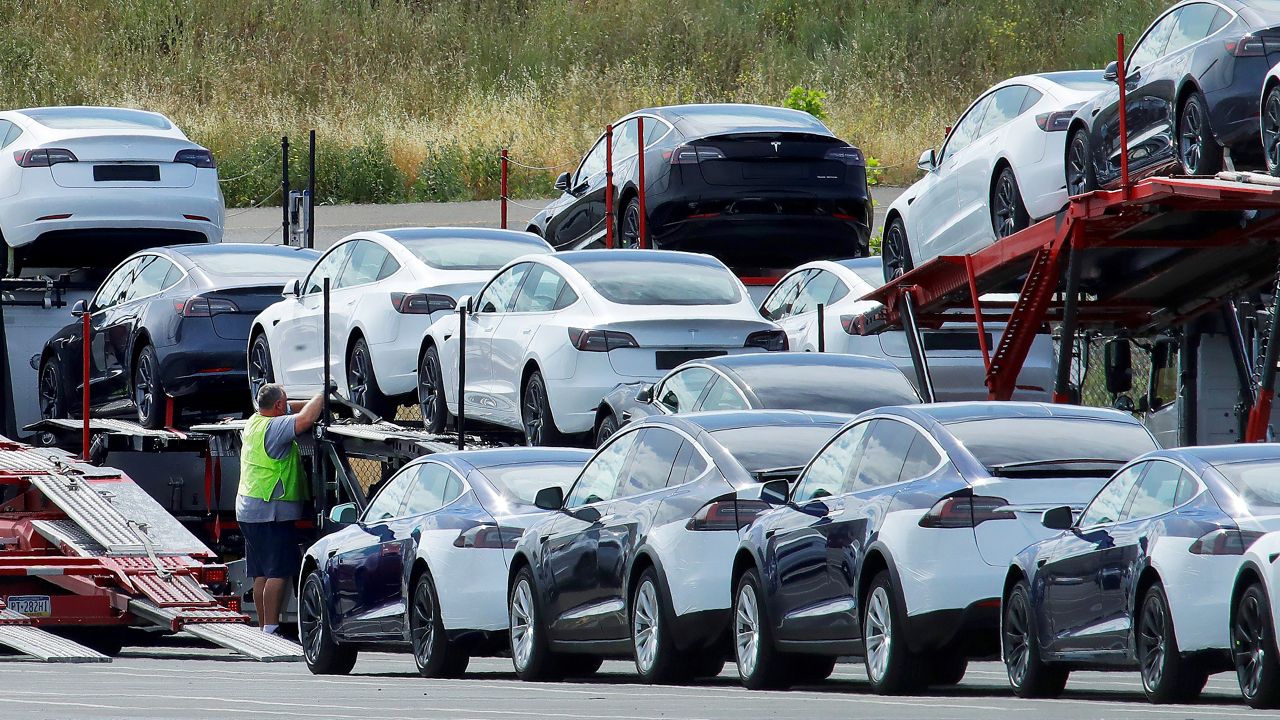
x=413 y=98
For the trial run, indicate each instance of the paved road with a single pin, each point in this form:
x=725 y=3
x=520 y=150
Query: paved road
x=189 y=684
x=336 y=221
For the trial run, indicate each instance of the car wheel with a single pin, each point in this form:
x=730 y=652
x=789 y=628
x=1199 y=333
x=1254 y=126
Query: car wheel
x=530 y=652
x=260 y=370
x=760 y=665
x=53 y=394
x=891 y=666
x=895 y=253
x=539 y=424
x=580 y=666
x=652 y=634
x=1253 y=641
x=1029 y=676
x=1166 y=676
x=1271 y=130
x=431 y=400
x=707 y=665
x=1081 y=176
x=362 y=385
x=323 y=654
x=434 y=655
x=1198 y=151
x=810 y=669
x=608 y=426
x=148 y=394
x=629 y=232
x=1008 y=214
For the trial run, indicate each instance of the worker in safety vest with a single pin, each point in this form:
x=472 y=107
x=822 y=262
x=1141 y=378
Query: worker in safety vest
x=271 y=496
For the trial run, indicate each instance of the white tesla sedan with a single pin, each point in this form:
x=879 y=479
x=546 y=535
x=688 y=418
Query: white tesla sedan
x=999 y=169
x=101 y=182
x=954 y=353
x=550 y=335
x=385 y=288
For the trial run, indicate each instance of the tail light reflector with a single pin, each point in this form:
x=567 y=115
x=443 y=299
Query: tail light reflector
x=1247 y=46
x=1056 y=121
x=201 y=306
x=692 y=154
x=771 y=340
x=489 y=536
x=849 y=155
x=201 y=158
x=727 y=514
x=43 y=157
x=421 y=303
x=1225 y=541
x=962 y=511
x=600 y=340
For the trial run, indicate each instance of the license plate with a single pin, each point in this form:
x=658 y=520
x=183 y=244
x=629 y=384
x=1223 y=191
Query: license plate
x=126 y=173
x=668 y=359
x=29 y=605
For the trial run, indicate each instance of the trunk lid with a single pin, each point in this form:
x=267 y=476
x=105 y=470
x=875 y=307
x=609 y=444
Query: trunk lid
x=665 y=343
x=1027 y=496
x=768 y=158
x=124 y=161
x=249 y=301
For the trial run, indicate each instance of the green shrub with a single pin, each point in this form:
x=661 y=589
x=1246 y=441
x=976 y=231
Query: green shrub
x=810 y=101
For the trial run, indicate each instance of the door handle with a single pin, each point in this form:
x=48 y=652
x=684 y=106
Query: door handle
x=770 y=533
x=526 y=331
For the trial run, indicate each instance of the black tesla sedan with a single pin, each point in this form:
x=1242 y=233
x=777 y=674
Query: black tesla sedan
x=1193 y=85
x=761 y=188
x=168 y=322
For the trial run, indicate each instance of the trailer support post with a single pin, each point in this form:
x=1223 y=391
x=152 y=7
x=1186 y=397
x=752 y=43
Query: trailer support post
x=462 y=374
x=1067 y=334
x=1121 y=80
x=328 y=362
x=84 y=408
x=641 y=239
x=1260 y=416
x=608 y=186
x=311 y=191
x=284 y=189
x=502 y=159
x=822 y=327
x=977 y=317
x=917 y=346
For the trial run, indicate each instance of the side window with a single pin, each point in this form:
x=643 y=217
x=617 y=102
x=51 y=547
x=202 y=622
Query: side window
x=689 y=465
x=592 y=165
x=540 y=291
x=921 y=459
x=830 y=470
x=655 y=132
x=567 y=297
x=1109 y=502
x=1033 y=97
x=600 y=476
x=624 y=140
x=497 y=295
x=1157 y=491
x=389 y=267
x=1152 y=45
x=778 y=304
x=1193 y=24
x=5 y=127
x=965 y=131
x=387 y=503
x=328 y=267
x=884 y=457
x=365 y=265
x=148 y=277
x=12 y=136
x=838 y=291
x=651 y=463
x=722 y=395
x=679 y=392
x=426 y=493
x=816 y=290
x=1005 y=105
x=115 y=286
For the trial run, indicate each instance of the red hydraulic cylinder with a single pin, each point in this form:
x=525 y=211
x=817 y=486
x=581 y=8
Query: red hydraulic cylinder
x=1124 y=126
x=503 y=157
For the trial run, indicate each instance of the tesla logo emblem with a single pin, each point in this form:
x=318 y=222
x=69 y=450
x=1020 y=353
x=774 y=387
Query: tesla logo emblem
x=776 y=144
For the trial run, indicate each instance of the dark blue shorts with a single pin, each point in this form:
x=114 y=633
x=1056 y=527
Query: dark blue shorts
x=271 y=549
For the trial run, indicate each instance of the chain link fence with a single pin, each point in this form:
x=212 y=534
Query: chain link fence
x=1093 y=389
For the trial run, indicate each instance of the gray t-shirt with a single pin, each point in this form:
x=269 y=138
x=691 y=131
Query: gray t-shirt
x=279 y=440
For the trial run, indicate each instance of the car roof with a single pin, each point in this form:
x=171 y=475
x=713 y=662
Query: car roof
x=402 y=234
x=735 y=419
x=722 y=118
x=574 y=258
x=958 y=412
x=495 y=457
x=1223 y=454
x=750 y=361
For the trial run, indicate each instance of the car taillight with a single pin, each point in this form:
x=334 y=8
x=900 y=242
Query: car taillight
x=771 y=340
x=848 y=155
x=201 y=158
x=962 y=511
x=1225 y=541
x=1247 y=46
x=692 y=154
x=201 y=306
x=489 y=536
x=43 y=157
x=600 y=340
x=421 y=303
x=727 y=514
x=1056 y=121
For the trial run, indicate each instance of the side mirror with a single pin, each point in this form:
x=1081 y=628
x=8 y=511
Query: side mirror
x=1118 y=366
x=1059 y=518
x=291 y=288
x=549 y=498
x=562 y=182
x=344 y=514
x=79 y=308
x=645 y=394
x=464 y=303
x=1112 y=71
x=928 y=160
x=775 y=492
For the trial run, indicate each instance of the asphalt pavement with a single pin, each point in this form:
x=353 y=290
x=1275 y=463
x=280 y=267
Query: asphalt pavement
x=195 y=683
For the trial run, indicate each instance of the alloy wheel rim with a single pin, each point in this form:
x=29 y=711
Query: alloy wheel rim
x=49 y=392
x=1250 y=646
x=1077 y=176
x=423 y=625
x=522 y=628
x=893 y=250
x=428 y=390
x=533 y=420
x=1151 y=644
x=644 y=626
x=1017 y=651
x=258 y=368
x=1271 y=129
x=879 y=634
x=358 y=376
x=1004 y=207
x=1192 y=137
x=631 y=227
x=142 y=395
x=311 y=624
x=746 y=626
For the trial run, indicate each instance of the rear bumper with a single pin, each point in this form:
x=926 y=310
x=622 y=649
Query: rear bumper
x=213 y=368
x=767 y=240
x=975 y=629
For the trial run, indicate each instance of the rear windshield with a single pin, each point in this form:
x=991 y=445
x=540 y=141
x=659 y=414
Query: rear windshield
x=520 y=483
x=97 y=119
x=470 y=253
x=660 y=282
x=828 y=389
x=1087 y=81
x=1035 y=443
x=1258 y=482
x=254 y=264
x=772 y=448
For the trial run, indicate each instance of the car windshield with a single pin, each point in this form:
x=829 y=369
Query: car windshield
x=1084 y=80
x=1257 y=481
x=774 y=447
x=660 y=282
x=1043 y=444
x=849 y=390
x=254 y=263
x=89 y=118
x=470 y=253
x=520 y=483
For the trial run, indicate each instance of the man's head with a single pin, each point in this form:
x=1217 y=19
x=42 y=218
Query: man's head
x=272 y=400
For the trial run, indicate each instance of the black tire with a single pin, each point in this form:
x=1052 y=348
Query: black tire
x=1008 y=213
x=52 y=389
x=323 y=654
x=658 y=660
x=608 y=426
x=1029 y=675
x=1198 y=151
x=535 y=412
x=362 y=384
x=431 y=399
x=530 y=652
x=948 y=668
x=760 y=665
x=580 y=666
x=1081 y=174
x=109 y=641
x=148 y=392
x=892 y=668
x=1166 y=676
x=1253 y=646
x=810 y=669
x=707 y=665
x=260 y=370
x=434 y=655
x=1270 y=126
x=895 y=252
x=629 y=225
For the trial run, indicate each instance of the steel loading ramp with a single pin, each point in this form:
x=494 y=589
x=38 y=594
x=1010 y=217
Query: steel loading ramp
x=18 y=633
